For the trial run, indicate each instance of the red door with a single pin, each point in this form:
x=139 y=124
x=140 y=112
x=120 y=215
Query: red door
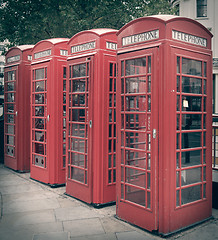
x=79 y=181
x=192 y=167
x=137 y=149
x=11 y=117
x=40 y=120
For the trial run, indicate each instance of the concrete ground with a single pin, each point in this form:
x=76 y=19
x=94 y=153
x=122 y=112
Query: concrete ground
x=33 y=211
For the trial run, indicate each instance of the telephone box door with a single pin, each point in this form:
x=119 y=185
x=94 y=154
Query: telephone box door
x=79 y=182
x=11 y=115
x=191 y=187
x=138 y=139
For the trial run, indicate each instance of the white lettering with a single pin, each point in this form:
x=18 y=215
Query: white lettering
x=13 y=59
x=83 y=47
x=185 y=37
x=111 y=46
x=142 y=37
x=42 y=54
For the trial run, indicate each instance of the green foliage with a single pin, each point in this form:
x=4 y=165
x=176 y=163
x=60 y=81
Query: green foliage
x=29 y=21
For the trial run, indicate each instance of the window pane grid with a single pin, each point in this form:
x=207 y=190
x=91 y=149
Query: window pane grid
x=136 y=146
x=190 y=134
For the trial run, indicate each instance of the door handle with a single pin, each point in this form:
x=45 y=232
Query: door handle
x=16 y=113
x=48 y=117
x=154 y=133
x=90 y=123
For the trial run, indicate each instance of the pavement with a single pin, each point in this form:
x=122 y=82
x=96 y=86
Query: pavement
x=30 y=210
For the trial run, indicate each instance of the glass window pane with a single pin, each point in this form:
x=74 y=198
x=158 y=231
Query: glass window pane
x=40 y=73
x=136 y=103
x=135 y=140
x=77 y=174
x=191 y=121
x=135 y=85
x=191 y=158
x=191 y=67
x=136 y=66
x=39 y=98
x=136 y=177
x=191 y=103
x=190 y=176
x=135 y=121
x=135 y=195
x=78 y=130
x=79 y=70
x=191 y=140
x=190 y=194
x=191 y=85
x=135 y=158
x=40 y=86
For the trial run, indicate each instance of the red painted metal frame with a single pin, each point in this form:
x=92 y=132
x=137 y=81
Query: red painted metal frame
x=97 y=49
x=48 y=111
x=17 y=108
x=171 y=213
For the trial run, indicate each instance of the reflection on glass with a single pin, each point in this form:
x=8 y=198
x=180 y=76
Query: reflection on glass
x=149 y=64
x=135 y=177
x=40 y=73
x=40 y=86
x=10 y=108
x=190 y=176
x=79 y=85
x=10 y=118
x=135 y=195
x=135 y=121
x=78 y=100
x=10 y=86
x=135 y=140
x=39 y=111
x=191 y=121
x=10 y=140
x=136 y=66
x=11 y=76
x=191 y=158
x=78 y=115
x=78 y=145
x=191 y=140
x=191 y=103
x=79 y=70
x=78 y=130
x=39 y=136
x=39 y=98
x=191 y=67
x=39 y=123
x=191 y=85
x=135 y=85
x=77 y=174
x=136 y=103
x=39 y=148
x=190 y=194
x=9 y=97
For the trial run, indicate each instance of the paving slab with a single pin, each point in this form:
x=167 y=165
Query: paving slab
x=52 y=236
x=84 y=227
x=28 y=196
x=20 y=188
x=112 y=225
x=27 y=206
x=66 y=202
x=107 y=236
x=17 y=220
x=16 y=235
x=134 y=235
x=73 y=213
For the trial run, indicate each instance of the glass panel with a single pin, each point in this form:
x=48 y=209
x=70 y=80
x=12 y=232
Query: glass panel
x=135 y=195
x=78 y=100
x=39 y=148
x=39 y=98
x=191 y=121
x=135 y=140
x=191 y=103
x=78 y=115
x=191 y=158
x=135 y=85
x=10 y=86
x=79 y=85
x=78 y=159
x=191 y=67
x=111 y=69
x=10 y=118
x=40 y=86
x=190 y=194
x=78 y=145
x=135 y=177
x=177 y=198
x=39 y=111
x=77 y=174
x=9 y=97
x=149 y=84
x=40 y=73
x=10 y=108
x=10 y=140
x=39 y=123
x=136 y=103
x=178 y=103
x=178 y=83
x=191 y=140
x=64 y=72
x=79 y=70
x=149 y=64
x=136 y=66
x=78 y=130
x=148 y=200
x=10 y=129
x=191 y=85
x=177 y=160
x=134 y=158
x=190 y=176
x=205 y=69
x=39 y=136
x=135 y=121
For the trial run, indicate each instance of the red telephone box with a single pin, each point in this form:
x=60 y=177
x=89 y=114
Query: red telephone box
x=91 y=116
x=164 y=123
x=48 y=111
x=17 y=108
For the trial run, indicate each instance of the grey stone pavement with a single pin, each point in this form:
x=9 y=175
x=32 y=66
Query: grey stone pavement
x=33 y=211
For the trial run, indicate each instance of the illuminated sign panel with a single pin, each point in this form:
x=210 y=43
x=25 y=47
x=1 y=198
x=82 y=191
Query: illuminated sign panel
x=111 y=45
x=13 y=59
x=42 y=54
